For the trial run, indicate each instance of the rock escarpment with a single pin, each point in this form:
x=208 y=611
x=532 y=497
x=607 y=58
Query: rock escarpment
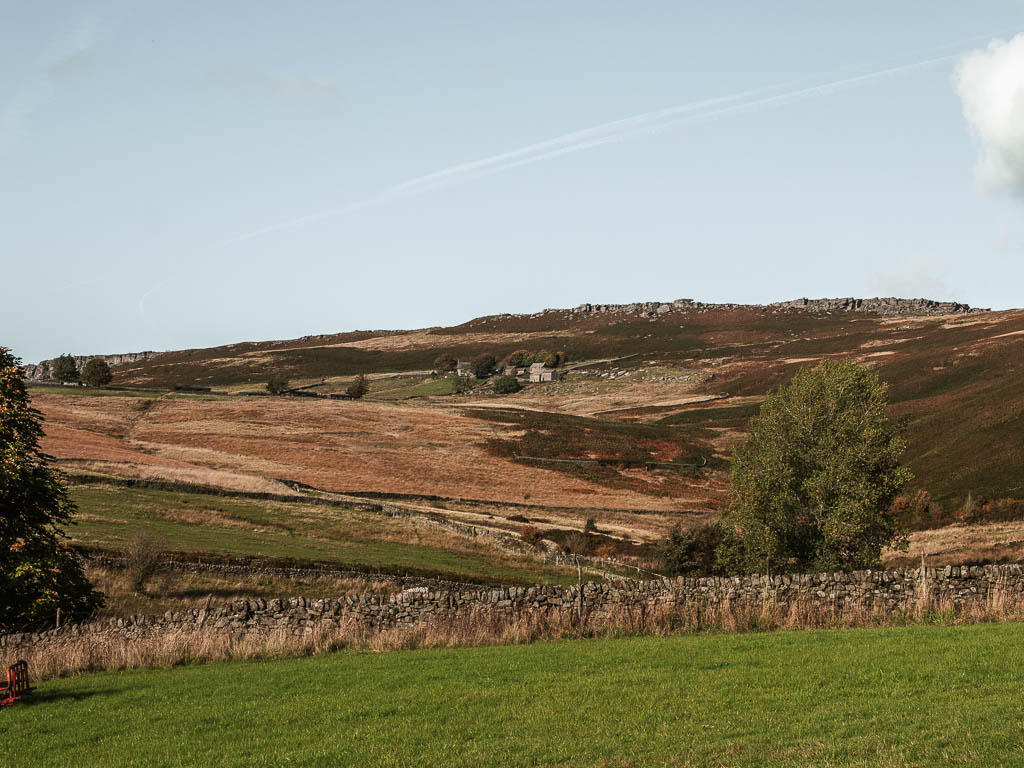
x=879 y=306
x=42 y=371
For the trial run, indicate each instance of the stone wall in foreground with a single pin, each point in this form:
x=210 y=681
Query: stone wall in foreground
x=882 y=591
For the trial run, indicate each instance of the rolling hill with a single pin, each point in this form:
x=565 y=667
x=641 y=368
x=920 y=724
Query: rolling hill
x=637 y=433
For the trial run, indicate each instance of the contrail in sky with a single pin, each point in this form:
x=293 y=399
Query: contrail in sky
x=615 y=131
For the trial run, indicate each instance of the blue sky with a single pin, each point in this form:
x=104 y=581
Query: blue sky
x=163 y=169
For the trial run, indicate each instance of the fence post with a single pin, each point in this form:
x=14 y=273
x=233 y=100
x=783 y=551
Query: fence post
x=924 y=586
x=579 y=584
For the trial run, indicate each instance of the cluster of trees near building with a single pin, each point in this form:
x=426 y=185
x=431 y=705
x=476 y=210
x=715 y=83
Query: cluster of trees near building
x=485 y=364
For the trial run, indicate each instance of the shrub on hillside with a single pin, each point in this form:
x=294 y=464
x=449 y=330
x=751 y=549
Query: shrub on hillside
x=445 y=363
x=531 y=535
x=483 y=366
x=918 y=512
x=142 y=559
x=358 y=388
x=578 y=544
x=696 y=551
x=277 y=383
x=96 y=372
x=63 y=369
x=507 y=385
x=997 y=511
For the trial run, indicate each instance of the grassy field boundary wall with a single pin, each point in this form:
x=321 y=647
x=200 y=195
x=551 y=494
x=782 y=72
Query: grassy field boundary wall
x=485 y=503
x=352 y=500
x=210 y=490
x=312 y=571
x=882 y=593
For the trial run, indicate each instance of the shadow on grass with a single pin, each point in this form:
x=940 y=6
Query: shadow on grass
x=44 y=696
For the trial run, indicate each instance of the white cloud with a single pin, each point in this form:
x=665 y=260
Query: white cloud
x=990 y=82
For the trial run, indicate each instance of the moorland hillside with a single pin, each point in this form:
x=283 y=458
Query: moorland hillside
x=657 y=382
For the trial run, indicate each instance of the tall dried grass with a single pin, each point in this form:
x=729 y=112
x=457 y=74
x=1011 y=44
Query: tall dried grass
x=86 y=653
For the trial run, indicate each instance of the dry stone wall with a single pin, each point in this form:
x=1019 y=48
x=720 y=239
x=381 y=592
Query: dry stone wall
x=883 y=591
x=256 y=569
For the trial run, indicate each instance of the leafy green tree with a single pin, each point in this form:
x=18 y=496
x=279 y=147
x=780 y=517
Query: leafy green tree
x=813 y=486
x=38 y=572
x=96 y=372
x=63 y=369
x=521 y=358
x=506 y=385
x=358 y=388
x=277 y=384
x=483 y=366
x=445 y=363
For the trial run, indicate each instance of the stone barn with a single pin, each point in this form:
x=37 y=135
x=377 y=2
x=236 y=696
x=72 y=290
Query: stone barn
x=540 y=372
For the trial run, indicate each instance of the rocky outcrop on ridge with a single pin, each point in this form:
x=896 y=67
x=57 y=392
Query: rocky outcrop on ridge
x=880 y=306
x=41 y=371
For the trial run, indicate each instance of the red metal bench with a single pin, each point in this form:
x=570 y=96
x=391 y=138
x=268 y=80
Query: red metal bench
x=16 y=685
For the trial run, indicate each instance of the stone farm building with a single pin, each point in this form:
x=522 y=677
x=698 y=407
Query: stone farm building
x=464 y=369
x=540 y=372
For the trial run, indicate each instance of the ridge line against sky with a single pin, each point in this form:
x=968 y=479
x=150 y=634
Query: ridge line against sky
x=615 y=131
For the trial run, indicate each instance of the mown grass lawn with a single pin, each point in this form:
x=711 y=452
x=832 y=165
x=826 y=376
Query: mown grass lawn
x=919 y=696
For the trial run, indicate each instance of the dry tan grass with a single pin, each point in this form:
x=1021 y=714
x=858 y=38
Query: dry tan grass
x=956 y=544
x=88 y=653
x=232 y=481
x=425 y=339
x=586 y=395
x=246 y=444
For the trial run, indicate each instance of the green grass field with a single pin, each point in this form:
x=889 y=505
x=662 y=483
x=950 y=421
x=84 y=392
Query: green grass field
x=920 y=696
x=54 y=389
x=109 y=517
